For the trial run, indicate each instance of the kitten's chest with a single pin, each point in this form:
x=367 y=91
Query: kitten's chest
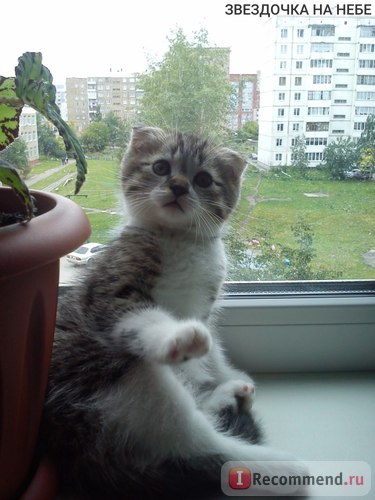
x=191 y=277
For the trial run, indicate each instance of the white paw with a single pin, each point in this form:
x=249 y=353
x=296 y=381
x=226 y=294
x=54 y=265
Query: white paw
x=191 y=340
x=236 y=394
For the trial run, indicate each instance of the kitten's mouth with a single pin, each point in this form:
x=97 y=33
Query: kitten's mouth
x=174 y=205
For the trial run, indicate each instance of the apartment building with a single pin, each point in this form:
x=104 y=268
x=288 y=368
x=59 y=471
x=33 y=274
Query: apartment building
x=29 y=133
x=319 y=82
x=88 y=96
x=246 y=100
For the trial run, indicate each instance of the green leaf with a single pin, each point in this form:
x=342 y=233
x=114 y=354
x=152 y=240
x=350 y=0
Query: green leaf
x=34 y=86
x=10 y=177
x=10 y=110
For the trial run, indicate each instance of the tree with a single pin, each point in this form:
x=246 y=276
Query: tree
x=16 y=154
x=366 y=148
x=48 y=144
x=118 y=130
x=340 y=156
x=299 y=158
x=95 y=137
x=189 y=89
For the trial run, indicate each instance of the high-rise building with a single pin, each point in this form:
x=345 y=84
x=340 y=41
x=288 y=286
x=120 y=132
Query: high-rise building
x=86 y=97
x=29 y=133
x=246 y=100
x=319 y=82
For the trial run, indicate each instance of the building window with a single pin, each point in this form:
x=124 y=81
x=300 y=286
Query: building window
x=295 y=127
x=343 y=54
x=365 y=110
x=344 y=38
x=281 y=96
x=366 y=96
x=282 y=80
x=322 y=79
x=300 y=49
x=341 y=86
x=318 y=95
x=318 y=30
x=282 y=64
x=283 y=49
x=280 y=112
x=278 y=157
x=342 y=70
x=317 y=126
x=341 y=117
x=359 y=125
x=316 y=141
x=284 y=32
x=315 y=156
x=367 y=31
x=367 y=47
x=367 y=63
x=321 y=63
x=298 y=64
x=298 y=80
x=321 y=47
x=340 y=101
x=339 y=131
x=318 y=111
x=366 y=79
x=279 y=142
x=300 y=33
x=296 y=111
x=297 y=96
x=280 y=127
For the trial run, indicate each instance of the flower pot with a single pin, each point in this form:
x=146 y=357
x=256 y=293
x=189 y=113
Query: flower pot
x=29 y=276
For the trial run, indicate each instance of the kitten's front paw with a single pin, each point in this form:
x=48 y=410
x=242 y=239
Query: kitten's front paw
x=191 y=340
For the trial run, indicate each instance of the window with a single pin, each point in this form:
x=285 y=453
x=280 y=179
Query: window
x=343 y=54
x=278 y=156
x=295 y=127
x=340 y=101
x=280 y=127
x=314 y=156
x=281 y=96
x=296 y=111
x=367 y=31
x=316 y=141
x=297 y=96
x=279 y=142
x=282 y=64
x=319 y=30
x=321 y=47
x=298 y=80
x=318 y=111
x=280 y=112
x=366 y=96
x=317 y=126
x=359 y=125
x=342 y=70
x=300 y=49
x=366 y=79
x=283 y=49
x=341 y=117
x=299 y=64
x=341 y=86
x=321 y=63
x=322 y=79
x=367 y=47
x=284 y=33
x=318 y=95
x=300 y=33
x=365 y=110
x=282 y=80
x=367 y=63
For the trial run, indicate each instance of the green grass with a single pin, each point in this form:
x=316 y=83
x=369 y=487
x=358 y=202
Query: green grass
x=343 y=222
x=42 y=166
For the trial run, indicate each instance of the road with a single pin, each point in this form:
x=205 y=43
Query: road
x=68 y=272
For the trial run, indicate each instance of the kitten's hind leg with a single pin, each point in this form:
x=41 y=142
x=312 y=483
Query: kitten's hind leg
x=155 y=335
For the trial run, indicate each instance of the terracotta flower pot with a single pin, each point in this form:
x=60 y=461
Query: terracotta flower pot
x=29 y=276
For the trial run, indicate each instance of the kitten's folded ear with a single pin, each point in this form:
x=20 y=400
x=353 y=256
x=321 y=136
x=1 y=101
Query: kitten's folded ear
x=236 y=163
x=146 y=139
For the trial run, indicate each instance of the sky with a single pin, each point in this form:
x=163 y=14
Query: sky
x=87 y=37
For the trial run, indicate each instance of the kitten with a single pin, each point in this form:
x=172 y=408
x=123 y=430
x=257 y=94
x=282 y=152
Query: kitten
x=142 y=402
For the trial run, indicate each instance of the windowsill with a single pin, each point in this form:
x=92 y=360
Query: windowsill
x=321 y=416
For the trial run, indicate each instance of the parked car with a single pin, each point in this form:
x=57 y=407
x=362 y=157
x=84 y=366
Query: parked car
x=85 y=253
x=254 y=156
x=356 y=173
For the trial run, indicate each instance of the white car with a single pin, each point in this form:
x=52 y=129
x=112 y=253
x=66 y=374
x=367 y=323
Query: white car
x=85 y=253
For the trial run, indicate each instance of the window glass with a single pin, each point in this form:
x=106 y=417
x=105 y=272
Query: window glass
x=307 y=210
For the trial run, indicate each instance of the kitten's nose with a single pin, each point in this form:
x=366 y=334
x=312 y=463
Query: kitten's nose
x=179 y=186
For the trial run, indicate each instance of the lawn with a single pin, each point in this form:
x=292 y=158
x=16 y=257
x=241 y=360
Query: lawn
x=341 y=214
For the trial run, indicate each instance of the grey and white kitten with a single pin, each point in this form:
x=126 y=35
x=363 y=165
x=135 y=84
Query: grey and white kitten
x=142 y=402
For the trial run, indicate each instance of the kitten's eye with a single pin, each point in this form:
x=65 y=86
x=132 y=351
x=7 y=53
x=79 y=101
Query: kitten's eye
x=161 y=167
x=203 y=179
